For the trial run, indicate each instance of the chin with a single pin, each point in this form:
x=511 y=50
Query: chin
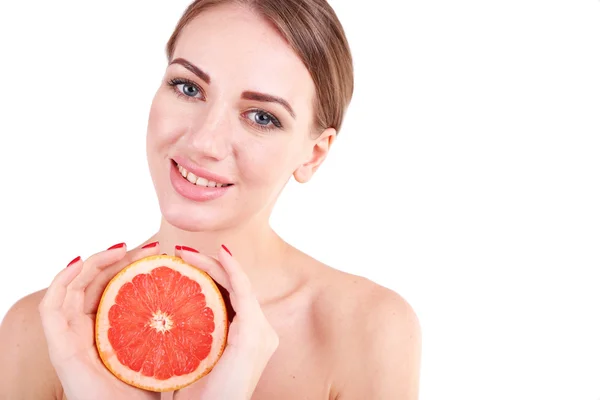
x=190 y=220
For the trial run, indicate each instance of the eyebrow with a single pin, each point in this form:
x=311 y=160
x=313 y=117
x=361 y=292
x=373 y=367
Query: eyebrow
x=248 y=95
x=269 y=99
x=192 y=68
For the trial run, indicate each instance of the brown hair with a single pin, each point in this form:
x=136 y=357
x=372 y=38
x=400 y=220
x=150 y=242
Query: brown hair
x=314 y=32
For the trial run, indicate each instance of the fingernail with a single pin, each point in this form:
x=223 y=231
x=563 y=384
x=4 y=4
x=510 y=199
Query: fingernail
x=116 y=246
x=186 y=248
x=74 y=261
x=147 y=246
x=226 y=249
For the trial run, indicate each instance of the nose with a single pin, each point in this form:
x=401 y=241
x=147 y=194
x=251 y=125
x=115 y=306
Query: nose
x=211 y=133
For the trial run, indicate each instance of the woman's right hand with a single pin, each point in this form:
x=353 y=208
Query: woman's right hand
x=68 y=313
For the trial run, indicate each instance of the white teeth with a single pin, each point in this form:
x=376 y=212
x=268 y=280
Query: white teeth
x=183 y=171
x=202 y=182
x=197 y=180
x=191 y=177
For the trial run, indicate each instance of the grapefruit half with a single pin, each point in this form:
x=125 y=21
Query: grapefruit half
x=161 y=324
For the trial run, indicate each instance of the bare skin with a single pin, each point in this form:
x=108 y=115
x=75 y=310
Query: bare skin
x=340 y=336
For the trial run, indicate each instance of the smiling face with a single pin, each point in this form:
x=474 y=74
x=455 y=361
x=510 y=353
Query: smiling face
x=234 y=114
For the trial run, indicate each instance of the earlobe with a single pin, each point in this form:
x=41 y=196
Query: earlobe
x=301 y=175
x=319 y=151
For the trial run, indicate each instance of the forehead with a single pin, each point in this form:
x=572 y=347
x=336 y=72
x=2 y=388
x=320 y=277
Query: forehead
x=242 y=51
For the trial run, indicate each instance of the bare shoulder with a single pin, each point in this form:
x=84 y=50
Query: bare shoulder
x=374 y=334
x=25 y=368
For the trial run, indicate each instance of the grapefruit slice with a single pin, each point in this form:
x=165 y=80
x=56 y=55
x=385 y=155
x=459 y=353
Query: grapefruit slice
x=161 y=324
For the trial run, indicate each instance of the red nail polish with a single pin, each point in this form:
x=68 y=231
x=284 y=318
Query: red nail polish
x=186 y=248
x=147 y=246
x=226 y=249
x=74 y=261
x=116 y=246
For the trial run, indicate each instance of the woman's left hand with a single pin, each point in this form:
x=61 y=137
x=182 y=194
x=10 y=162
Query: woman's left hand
x=251 y=340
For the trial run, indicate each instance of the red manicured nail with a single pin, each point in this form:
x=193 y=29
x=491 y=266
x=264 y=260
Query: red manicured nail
x=116 y=246
x=74 y=261
x=147 y=246
x=186 y=248
x=226 y=249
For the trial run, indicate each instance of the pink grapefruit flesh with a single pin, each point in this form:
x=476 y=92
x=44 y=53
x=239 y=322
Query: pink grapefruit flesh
x=161 y=324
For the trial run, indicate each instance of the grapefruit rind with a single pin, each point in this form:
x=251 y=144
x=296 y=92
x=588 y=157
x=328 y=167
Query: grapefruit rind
x=214 y=300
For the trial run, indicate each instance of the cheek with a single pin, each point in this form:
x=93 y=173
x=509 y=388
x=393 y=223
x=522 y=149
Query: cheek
x=164 y=121
x=268 y=164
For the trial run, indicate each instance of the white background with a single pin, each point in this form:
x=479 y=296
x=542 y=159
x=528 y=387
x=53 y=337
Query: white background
x=466 y=176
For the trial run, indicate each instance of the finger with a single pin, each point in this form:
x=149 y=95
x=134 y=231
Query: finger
x=94 y=291
x=96 y=263
x=205 y=263
x=50 y=308
x=131 y=257
x=242 y=296
x=240 y=283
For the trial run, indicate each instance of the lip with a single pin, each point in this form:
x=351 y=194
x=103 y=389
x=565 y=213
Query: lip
x=201 y=172
x=193 y=192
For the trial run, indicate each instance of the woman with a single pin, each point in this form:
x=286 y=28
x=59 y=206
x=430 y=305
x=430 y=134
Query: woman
x=254 y=93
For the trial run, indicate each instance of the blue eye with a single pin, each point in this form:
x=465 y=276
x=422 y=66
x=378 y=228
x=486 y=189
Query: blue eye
x=186 y=88
x=263 y=119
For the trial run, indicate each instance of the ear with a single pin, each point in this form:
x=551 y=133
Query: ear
x=320 y=149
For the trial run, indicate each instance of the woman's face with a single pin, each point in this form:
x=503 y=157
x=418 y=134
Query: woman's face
x=235 y=111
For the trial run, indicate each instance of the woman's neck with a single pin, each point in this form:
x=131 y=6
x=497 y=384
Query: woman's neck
x=258 y=249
